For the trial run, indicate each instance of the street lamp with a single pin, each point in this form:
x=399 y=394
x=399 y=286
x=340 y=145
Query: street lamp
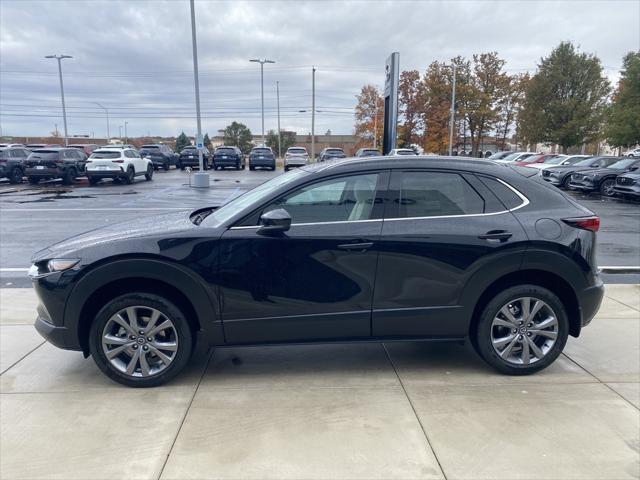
x=106 y=110
x=262 y=62
x=126 y=138
x=120 y=131
x=64 y=110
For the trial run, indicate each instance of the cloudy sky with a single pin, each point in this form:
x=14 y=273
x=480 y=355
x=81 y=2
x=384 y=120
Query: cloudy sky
x=134 y=57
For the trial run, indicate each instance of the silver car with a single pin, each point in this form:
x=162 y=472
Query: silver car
x=295 y=157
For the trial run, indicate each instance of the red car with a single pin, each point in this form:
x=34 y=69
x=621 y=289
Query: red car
x=541 y=157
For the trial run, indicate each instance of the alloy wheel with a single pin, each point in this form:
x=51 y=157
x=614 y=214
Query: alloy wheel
x=524 y=331
x=607 y=188
x=140 y=341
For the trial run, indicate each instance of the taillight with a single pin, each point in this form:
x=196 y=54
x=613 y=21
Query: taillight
x=88 y=161
x=585 y=223
x=118 y=161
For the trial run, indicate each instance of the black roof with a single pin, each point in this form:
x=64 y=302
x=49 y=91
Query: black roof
x=357 y=163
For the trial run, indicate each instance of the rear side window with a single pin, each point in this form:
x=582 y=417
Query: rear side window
x=507 y=196
x=432 y=194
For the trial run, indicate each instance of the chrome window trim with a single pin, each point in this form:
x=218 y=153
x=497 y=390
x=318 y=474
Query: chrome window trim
x=247 y=227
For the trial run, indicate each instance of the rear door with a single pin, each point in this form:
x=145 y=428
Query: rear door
x=440 y=229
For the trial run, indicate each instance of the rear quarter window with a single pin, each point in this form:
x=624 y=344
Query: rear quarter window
x=507 y=196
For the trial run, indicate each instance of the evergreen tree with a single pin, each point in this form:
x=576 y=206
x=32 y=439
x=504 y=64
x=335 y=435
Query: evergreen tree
x=181 y=142
x=207 y=141
x=623 y=128
x=238 y=135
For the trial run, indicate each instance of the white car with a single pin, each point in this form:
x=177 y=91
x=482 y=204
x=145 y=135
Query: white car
x=558 y=160
x=401 y=151
x=516 y=157
x=632 y=153
x=295 y=157
x=118 y=164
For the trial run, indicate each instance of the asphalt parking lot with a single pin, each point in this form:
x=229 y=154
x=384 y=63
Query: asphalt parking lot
x=32 y=217
x=386 y=411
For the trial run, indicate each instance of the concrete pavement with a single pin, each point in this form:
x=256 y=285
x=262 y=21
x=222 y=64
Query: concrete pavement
x=396 y=410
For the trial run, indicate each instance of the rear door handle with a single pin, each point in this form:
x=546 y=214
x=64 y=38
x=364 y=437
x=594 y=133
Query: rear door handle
x=360 y=246
x=496 y=235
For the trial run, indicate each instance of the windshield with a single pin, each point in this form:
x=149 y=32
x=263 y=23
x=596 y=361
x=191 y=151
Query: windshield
x=555 y=160
x=150 y=147
x=45 y=154
x=335 y=151
x=584 y=163
x=105 y=155
x=405 y=152
x=238 y=204
x=622 y=164
x=261 y=151
x=511 y=157
x=298 y=151
x=225 y=151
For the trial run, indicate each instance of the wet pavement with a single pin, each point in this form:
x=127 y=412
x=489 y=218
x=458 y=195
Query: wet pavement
x=32 y=217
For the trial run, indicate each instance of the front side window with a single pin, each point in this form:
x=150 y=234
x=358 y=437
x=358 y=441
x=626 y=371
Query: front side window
x=339 y=199
x=432 y=194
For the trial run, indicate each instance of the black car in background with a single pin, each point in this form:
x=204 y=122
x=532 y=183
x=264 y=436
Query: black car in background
x=228 y=156
x=560 y=176
x=189 y=157
x=368 y=152
x=160 y=155
x=12 y=164
x=329 y=153
x=628 y=185
x=50 y=163
x=603 y=180
x=262 y=157
x=403 y=248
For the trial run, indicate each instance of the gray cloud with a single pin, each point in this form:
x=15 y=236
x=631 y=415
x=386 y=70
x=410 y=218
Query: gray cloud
x=135 y=56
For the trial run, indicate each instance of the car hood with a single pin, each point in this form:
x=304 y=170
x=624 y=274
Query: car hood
x=596 y=172
x=568 y=168
x=119 y=232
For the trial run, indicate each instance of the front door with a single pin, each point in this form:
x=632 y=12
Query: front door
x=312 y=282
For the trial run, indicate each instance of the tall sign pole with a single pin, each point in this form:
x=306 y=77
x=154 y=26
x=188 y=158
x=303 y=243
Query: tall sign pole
x=278 y=101
x=453 y=111
x=313 y=114
x=392 y=77
x=201 y=179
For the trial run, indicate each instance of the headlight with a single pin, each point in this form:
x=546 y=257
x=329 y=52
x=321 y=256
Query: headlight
x=52 y=266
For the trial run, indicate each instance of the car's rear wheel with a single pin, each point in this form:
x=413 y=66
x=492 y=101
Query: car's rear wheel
x=166 y=166
x=33 y=180
x=15 y=176
x=93 y=180
x=140 y=340
x=129 y=176
x=149 y=175
x=522 y=330
x=252 y=168
x=607 y=187
x=69 y=176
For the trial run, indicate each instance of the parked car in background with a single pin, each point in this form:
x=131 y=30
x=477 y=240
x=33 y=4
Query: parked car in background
x=11 y=145
x=35 y=146
x=401 y=151
x=499 y=155
x=559 y=160
x=603 y=180
x=632 y=153
x=628 y=185
x=87 y=148
x=516 y=157
x=262 y=157
x=331 y=152
x=55 y=162
x=228 y=156
x=189 y=157
x=368 y=152
x=295 y=157
x=534 y=159
x=160 y=154
x=386 y=248
x=117 y=164
x=560 y=175
x=12 y=163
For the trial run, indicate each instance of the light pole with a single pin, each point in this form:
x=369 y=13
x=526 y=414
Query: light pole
x=453 y=110
x=201 y=179
x=126 y=138
x=313 y=114
x=262 y=62
x=120 y=131
x=64 y=110
x=278 y=101
x=106 y=111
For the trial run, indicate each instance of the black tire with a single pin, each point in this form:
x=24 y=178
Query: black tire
x=607 y=187
x=273 y=169
x=33 y=180
x=130 y=175
x=252 y=168
x=286 y=169
x=182 y=167
x=149 y=175
x=69 y=176
x=93 y=181
x=166 y=166
x=242 y=167
x=482 y=334
x=15 y=175
x=565 y=182
x=142 y=299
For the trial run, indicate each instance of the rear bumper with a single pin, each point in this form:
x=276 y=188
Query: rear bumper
x=43 y=172
x=590 y=300
x=104 y=173
x=263 y=162
x=295 y=162
x=226 y=162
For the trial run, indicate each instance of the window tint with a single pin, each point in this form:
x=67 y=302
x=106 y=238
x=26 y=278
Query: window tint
x=507 y=196
x=433 y=194
x=336 y=200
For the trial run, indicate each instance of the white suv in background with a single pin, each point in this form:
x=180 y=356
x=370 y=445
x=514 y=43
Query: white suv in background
x=632 y=153
x=295 y=157
x=117 y=164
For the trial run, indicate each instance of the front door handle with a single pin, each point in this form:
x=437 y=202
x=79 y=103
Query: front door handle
x=496 y=236
x=360 y=246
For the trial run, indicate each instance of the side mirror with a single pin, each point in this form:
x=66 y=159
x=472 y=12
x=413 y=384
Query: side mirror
x=273 y=221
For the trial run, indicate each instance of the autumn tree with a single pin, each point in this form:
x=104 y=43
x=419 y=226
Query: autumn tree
x=411 y=103
x=436 y=95
x=623 y=126
x=238 y=135
x=565 y=99
x=369 y=114
x=509 y=106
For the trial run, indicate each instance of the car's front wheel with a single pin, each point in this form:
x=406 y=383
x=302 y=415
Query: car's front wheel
x=522 y=330
x=607 y=187
x=140 y=340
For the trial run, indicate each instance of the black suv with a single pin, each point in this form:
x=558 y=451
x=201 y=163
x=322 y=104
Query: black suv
x=228 y=156
x=366 y=249
x=262 y=157
x=160 y=155
x=560 y=176
x=603 y=180
x=49 y=163
x=189 y=158
x=329 y=153
x=12 y=163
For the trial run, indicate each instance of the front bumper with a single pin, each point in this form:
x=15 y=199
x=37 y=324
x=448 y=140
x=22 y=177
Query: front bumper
x=61 y=337
x=581 y=185
x=631 y=190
